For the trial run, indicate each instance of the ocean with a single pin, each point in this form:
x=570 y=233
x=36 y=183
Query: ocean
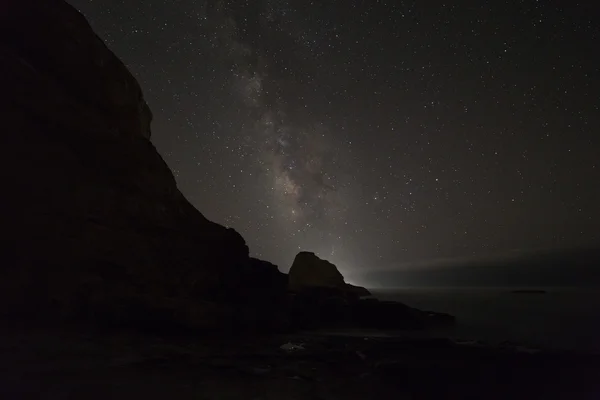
x=560 y=318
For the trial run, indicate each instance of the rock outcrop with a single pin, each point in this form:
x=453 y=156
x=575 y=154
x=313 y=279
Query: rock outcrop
x=93 y=220
x=95 y=227
x=295 y=367
x=309 y=271
x=321 y=299
x=357 y=290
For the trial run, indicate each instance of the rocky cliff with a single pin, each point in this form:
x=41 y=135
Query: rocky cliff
x=92 y=216
x=95 y=228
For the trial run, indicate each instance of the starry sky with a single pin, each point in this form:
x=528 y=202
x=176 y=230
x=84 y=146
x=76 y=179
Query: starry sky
x=374 y=133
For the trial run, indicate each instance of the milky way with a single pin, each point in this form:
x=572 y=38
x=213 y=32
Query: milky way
x=297 y=157
x=374 y=133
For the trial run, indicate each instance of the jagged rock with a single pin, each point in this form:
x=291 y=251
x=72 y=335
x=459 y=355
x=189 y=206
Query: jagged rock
x=93 y=214
x=310 y=271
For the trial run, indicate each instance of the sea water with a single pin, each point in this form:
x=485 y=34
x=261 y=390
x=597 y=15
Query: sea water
x=558 y=318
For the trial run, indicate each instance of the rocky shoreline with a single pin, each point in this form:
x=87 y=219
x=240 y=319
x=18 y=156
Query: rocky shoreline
x=301 y=366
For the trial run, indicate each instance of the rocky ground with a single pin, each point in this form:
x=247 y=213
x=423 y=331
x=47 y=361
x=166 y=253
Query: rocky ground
x=61 y=365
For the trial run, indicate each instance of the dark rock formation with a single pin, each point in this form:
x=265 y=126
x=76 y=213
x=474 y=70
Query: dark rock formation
x=375 y=314
x=320 y=298
x=309 y=271
x=321 y=308
x=265 y=280
x=96 y=227
x=357 y=290
x=93 y=218
x=265 y=289
x=328 y=367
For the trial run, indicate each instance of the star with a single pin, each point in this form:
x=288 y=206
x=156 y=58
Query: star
x=346 y=128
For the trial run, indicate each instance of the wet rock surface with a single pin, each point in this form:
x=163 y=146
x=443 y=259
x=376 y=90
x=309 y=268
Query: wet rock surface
x=61 y=365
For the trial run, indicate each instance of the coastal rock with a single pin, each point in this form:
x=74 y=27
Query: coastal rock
x=309 y=271
x=321 y=299
x=357 y=290
x=317 y=308
x=265 y=289
x=97 y=228
x=320 y=307
x=96 y=222
x=375 y=314
x=296 y=367
x=265 y=275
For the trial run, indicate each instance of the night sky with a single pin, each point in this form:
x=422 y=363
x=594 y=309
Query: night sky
x=374 y=133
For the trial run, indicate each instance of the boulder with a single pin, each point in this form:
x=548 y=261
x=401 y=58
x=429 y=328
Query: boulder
x=95 y=222
x=310 y=271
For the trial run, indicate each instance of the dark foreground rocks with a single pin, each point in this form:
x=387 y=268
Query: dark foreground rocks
x=53 y=365
x=316 y=308
x=320 y=298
